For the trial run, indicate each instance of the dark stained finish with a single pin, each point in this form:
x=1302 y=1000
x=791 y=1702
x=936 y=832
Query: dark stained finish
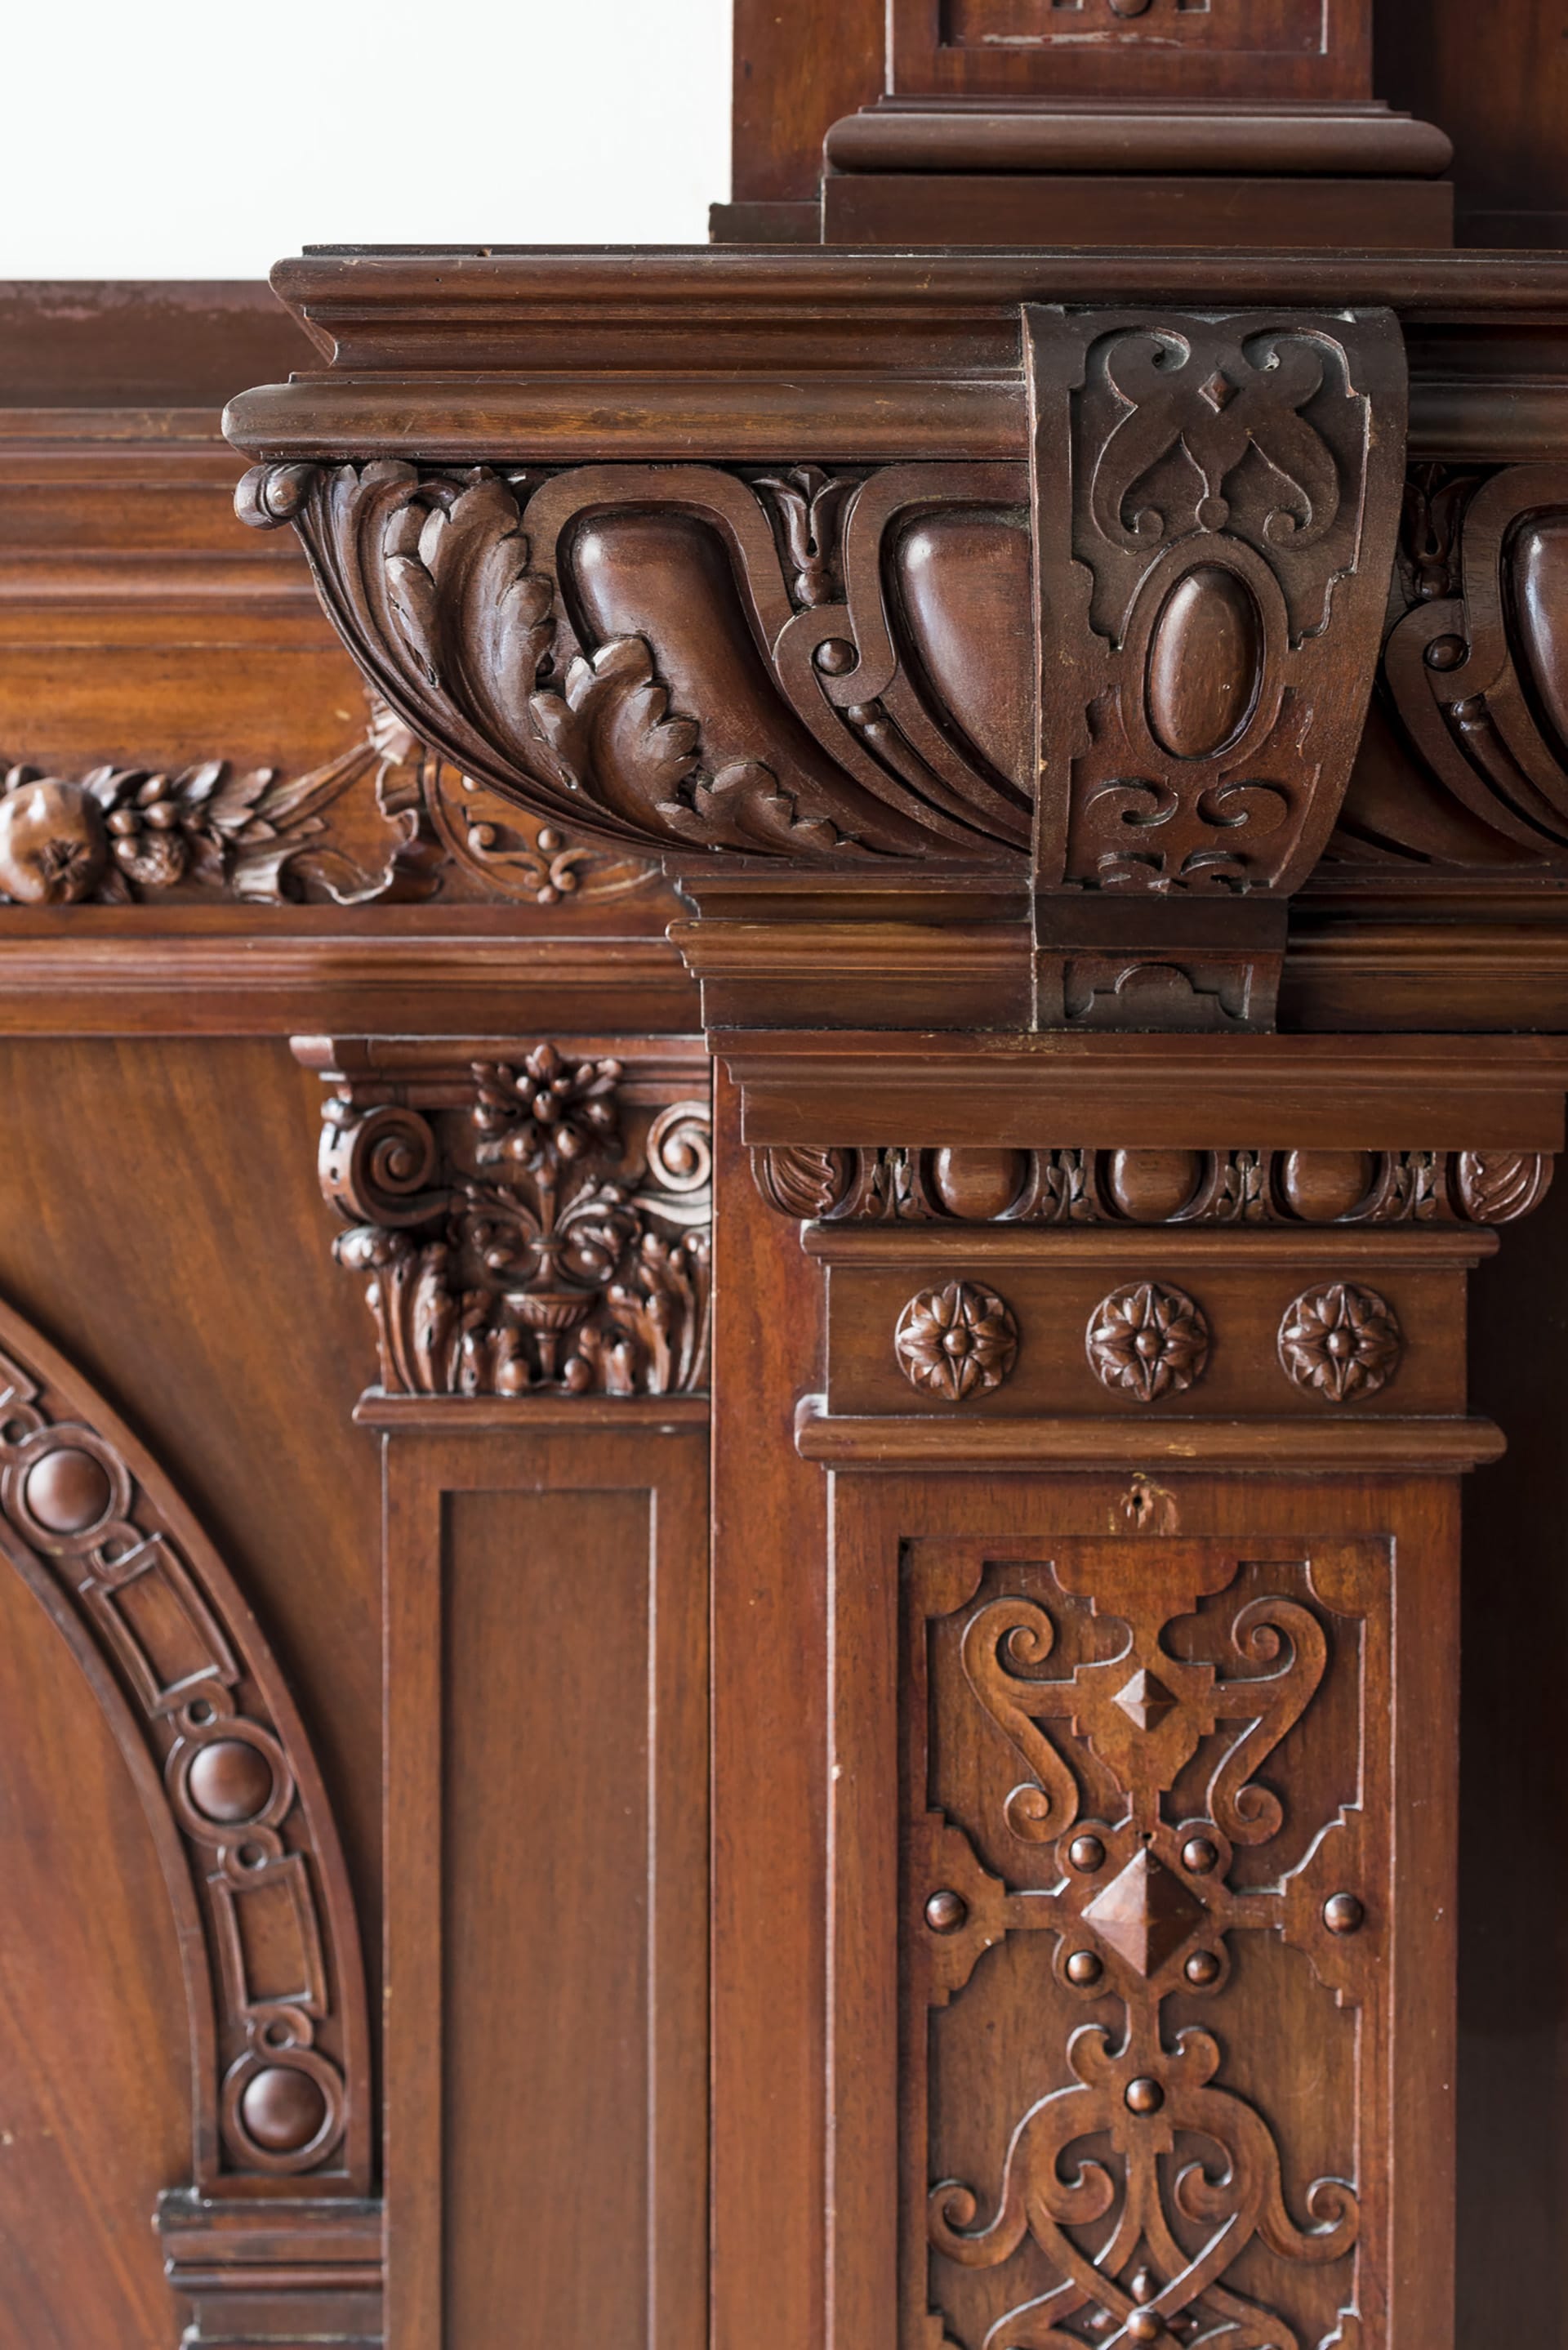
x=875 y=1672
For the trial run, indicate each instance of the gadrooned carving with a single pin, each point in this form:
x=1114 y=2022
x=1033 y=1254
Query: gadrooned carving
x=1341 y=1341
x=784 y=711
x=976 y=1184
x=537 y=1222
x=250 y=1854
x=1476 y=670
x=1147 y=1341
x=957 y=1342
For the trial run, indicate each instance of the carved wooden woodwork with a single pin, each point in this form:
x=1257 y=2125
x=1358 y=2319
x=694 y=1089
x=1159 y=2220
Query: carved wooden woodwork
x=928 y=885
x=1133 y=1688
x=279 y=2036
x=527 y=1221
x=278 y=2033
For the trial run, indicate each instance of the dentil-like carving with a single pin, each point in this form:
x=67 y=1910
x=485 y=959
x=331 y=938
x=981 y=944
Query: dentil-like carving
x=536 y=1222
x=237 y=1807
x=1341 y=1341
x=1147 y=1341
x=1142 y=1686
x=957 y=1342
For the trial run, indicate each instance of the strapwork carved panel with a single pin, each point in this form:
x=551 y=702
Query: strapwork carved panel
x=1143 y=1930
x=1216 y=508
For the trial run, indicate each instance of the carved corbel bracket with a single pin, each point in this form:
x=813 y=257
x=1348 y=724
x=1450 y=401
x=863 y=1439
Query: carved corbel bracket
x=528 y=1220
x=1216 y=503
x=1150 y=691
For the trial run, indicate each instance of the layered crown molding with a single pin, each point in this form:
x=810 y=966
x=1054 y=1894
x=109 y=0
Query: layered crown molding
x=1125 y=601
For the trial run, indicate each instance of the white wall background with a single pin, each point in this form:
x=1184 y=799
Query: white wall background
x=198 y=139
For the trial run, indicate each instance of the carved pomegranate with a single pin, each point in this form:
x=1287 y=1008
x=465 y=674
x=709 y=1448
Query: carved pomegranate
x=53 y=845
x=1205 y=662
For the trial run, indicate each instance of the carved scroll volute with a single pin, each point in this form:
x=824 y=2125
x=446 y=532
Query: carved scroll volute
x=1216 y=503
x=673 y=656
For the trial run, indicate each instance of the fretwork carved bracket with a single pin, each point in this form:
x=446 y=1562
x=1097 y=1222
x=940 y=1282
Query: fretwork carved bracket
x=528 y=1220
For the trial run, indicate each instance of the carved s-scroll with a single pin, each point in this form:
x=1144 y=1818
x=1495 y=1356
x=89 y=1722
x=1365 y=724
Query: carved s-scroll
x=1477 y=670
x=671 y=656
x=540 y=1222
x=263 y=1908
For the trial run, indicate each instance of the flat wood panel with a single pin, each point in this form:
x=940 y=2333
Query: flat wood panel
x=546 y=1928
x=1513 y=1891
x=160 y=1223
x=1226 y=49
x=770 y=1675
x=95 y=2067
x=545 y=1921
x=797 y=70
x=1496 y=79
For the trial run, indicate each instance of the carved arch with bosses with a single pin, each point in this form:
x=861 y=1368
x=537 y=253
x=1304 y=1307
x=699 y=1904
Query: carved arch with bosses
x=264 y=1915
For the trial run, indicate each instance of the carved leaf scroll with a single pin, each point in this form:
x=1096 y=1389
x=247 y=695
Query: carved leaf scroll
x=468 y=598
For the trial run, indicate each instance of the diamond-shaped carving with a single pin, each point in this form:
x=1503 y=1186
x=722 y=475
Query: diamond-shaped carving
x=1145 y=1701
x=1219 y=392
x=1144 y=1913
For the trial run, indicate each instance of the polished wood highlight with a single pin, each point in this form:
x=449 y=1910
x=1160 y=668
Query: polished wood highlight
x=913 y=898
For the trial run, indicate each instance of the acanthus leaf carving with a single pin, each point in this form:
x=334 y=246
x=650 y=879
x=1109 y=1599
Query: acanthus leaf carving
x=538 y=1223
x=463 y=596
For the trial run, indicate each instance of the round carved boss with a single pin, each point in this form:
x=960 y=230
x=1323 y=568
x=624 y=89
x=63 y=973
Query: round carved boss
x=1147 y=1341
x=1341 y=1341
x=956 y=1342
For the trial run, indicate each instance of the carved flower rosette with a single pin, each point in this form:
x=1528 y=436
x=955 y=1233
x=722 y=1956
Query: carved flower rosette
x=1340 y=1341
x=956 y=1342
x=1147 y=1341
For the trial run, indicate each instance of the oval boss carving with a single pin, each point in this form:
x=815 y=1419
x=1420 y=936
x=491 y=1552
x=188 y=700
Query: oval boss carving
x=1205 y=662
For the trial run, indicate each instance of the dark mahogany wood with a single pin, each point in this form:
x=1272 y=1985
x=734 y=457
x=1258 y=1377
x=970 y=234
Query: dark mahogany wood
x=900 y=910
